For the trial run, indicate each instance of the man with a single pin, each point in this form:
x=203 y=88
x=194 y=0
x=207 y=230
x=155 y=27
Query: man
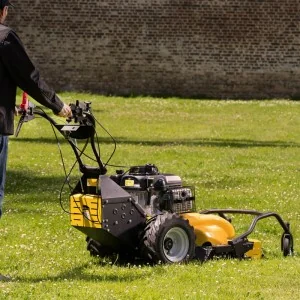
x=17 y=70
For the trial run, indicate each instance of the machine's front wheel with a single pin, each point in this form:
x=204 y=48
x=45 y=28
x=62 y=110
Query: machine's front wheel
x=169 y=239
x=287 y=245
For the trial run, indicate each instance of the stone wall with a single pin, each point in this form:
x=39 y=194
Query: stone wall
x=186 y=48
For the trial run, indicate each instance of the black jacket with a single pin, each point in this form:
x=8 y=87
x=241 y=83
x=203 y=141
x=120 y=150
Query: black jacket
x=17 y=70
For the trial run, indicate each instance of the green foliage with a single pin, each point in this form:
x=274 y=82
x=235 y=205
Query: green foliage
x=238 y=154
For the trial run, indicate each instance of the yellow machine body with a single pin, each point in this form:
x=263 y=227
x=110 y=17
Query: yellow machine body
x=215 y=231
x=86 y=213
x=256 y=252
x=85 y=210
x=210 y=229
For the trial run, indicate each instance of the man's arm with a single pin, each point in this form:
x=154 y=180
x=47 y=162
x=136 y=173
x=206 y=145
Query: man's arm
x=26 y=76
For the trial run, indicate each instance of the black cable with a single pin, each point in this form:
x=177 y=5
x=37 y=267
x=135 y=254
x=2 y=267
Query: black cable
x=71 y=188
x=114 y=141
x=65 y=171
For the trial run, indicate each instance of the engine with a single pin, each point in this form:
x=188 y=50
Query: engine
x=156 y=192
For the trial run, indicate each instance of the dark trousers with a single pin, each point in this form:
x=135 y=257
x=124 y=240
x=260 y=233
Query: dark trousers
x=3 y=160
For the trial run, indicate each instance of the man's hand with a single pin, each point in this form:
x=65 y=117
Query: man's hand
x=65 y=111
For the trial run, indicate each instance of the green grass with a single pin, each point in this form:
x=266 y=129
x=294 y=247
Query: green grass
x=238 y=154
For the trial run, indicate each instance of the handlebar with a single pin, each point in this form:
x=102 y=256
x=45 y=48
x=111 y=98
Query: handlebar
x=81 y=125
x=81 y=115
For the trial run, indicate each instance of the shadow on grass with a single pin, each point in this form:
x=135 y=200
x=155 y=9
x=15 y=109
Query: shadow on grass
x=78 y=273
x=233 y=143
x=23 y=182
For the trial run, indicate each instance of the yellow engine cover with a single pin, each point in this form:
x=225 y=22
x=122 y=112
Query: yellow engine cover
x=85 y=210
x=210 y=228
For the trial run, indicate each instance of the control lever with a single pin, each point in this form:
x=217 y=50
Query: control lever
x=79 y=109
x=26 y=111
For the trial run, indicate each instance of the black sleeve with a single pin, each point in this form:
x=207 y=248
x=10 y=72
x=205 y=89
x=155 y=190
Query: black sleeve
x=25 y=74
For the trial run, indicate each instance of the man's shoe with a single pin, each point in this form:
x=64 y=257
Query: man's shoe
x=4 y=278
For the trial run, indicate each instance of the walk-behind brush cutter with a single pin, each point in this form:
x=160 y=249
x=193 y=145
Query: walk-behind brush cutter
x=146 y=214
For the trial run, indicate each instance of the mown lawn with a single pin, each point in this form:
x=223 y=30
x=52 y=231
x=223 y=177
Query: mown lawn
x=237 y=154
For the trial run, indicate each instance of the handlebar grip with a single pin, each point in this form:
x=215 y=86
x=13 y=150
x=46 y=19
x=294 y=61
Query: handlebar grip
x=79 y=109
x=24 y=104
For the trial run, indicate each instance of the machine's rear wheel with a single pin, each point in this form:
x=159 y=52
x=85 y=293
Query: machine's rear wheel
x=169 y=239
x=96 y=249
